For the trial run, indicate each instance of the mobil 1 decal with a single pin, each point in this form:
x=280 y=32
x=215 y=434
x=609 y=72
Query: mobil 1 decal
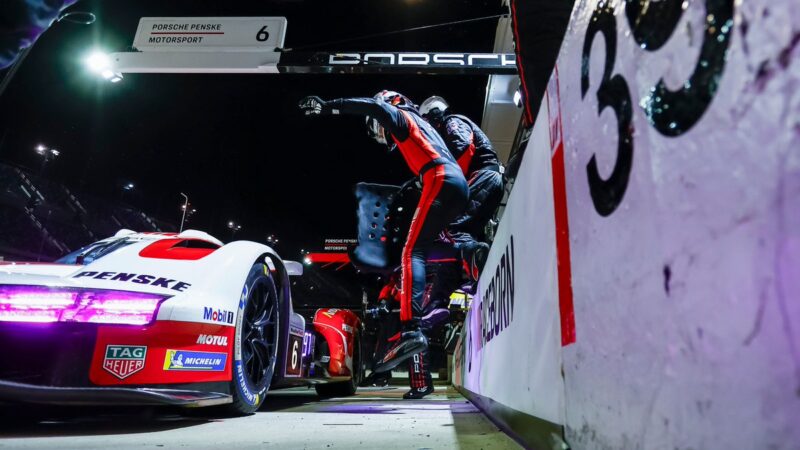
x=671 y=112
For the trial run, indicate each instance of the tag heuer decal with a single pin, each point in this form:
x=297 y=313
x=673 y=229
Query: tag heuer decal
x=123 y=361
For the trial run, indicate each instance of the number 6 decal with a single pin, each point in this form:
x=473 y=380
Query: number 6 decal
x=295 y=354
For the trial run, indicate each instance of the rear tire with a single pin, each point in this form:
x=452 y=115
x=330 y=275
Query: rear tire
x=349 y=387
x=256 y=341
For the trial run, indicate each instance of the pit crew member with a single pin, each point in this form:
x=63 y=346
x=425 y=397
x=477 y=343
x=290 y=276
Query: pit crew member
x=392 y=119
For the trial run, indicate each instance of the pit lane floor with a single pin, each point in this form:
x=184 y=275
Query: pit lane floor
x=291 y=419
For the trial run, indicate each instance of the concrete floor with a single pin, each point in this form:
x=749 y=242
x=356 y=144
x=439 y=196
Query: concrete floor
x=291 y=419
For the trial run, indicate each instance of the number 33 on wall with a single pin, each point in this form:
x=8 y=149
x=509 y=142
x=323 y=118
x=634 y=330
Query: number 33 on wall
x=671 y=113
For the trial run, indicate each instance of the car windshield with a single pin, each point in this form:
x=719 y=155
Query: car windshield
x=94 y=251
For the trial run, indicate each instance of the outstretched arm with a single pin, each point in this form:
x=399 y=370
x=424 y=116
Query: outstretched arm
x=387 y=115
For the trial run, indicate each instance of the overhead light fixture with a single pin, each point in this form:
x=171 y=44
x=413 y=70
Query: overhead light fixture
x=100 y=63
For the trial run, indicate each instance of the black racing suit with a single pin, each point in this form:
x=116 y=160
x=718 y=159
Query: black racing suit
x=444 y=188
x=478 y=161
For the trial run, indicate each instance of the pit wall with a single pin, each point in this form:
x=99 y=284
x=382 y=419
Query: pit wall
x=654 y=300
x=509 y=357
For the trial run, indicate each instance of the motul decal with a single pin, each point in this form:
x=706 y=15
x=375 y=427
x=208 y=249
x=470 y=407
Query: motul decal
x=123 y=361
x=209 y=339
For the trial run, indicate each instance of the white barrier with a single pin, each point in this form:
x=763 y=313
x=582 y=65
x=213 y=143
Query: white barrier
x=683 y=206
x=511 y=352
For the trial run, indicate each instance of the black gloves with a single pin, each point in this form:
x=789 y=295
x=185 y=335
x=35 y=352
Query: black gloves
x=313 y=106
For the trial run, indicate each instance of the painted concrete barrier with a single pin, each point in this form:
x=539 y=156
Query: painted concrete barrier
x=670 y=267
x=509 y=358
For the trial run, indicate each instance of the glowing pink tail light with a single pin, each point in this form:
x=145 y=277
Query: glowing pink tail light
x=45 y=304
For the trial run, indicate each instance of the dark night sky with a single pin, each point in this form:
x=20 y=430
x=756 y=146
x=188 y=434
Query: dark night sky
x=235 y=143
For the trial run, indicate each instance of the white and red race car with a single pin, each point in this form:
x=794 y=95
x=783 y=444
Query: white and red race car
x=165 y=318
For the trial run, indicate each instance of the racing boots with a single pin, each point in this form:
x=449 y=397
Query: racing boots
x=419 y=376
x=433 y=318
x=402 y=346
x=418 y=393
x=473 y=257
x=376 y=379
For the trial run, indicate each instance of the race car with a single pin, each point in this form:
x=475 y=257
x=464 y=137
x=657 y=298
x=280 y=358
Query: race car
x=166 y=318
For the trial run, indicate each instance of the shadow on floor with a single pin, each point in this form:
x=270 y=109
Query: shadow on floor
x=471 y=427
x=49 y=421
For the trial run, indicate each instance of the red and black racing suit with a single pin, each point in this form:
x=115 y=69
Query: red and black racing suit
x=444 y=188
x=478 y=161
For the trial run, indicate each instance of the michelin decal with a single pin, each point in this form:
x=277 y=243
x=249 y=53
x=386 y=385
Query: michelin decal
x=195 y=361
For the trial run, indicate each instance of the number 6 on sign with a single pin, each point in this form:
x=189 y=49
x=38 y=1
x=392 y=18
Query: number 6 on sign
x=210 y=34
x=262 y=34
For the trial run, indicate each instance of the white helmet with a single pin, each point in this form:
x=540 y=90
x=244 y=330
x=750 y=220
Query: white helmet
x=433 y=105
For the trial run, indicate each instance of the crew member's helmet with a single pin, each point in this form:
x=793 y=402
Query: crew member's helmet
x=433 y=109
x=395 y=99
x=374 y=129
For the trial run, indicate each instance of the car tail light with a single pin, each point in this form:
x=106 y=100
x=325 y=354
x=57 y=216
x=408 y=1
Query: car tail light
x=45 y=304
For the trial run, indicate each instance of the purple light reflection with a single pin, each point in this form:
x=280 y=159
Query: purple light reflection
x=19 y=303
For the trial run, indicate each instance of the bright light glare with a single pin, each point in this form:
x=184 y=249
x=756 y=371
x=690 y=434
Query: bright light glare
x=99 y=62
x=42 y=304
x=518 y=98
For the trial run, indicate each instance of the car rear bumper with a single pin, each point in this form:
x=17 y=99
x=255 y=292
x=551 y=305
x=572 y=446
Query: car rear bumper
x=13 y=392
